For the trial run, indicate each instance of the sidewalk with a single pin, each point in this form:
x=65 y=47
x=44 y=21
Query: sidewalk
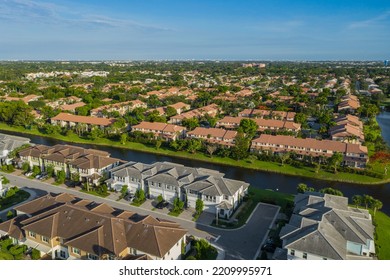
x=3 y=213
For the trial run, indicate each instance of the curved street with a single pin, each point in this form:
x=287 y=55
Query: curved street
x=242 y=243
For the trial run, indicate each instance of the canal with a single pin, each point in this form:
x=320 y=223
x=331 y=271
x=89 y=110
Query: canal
x=258 y=179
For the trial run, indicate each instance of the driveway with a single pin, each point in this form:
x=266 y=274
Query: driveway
x=242 y=243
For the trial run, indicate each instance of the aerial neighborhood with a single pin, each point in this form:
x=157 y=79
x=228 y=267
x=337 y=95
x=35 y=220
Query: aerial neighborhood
x=313 y=120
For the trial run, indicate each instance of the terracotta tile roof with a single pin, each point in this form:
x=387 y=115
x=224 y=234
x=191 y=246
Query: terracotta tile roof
x=158 y=127
x=83 y=119
x=211 y=110
x=71 y=107
x=213 y=133
x=234 y=122
x=290 y=142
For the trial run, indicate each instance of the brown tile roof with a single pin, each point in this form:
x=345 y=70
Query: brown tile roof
x=83 y=119
x=97 y=231
x=157 y=126
x=71 y=107
x=291 y=141
x=262 y=123
x=179 y=105
x=13 y=227
x=211 y=110
x=212 y=132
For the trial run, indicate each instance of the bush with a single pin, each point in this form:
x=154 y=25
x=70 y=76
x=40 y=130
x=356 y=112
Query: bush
x=6 y=244
x=35 y=254
x=5 y=180
x=159 y=198
x=10 y=168
x=10 y=215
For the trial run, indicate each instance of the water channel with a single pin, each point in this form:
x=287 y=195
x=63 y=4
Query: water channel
x=258 y=179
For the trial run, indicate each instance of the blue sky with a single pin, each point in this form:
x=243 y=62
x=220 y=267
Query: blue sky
x=195 y=29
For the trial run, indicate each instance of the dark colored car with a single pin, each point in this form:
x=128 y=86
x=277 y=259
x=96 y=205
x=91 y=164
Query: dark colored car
x=162 y=205
x=129 y=197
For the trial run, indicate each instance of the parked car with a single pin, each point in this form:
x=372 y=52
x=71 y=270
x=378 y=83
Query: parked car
x=162 y=205
x=129 y=197
x=28 y=174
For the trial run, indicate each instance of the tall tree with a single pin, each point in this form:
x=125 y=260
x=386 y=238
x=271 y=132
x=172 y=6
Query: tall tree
x=241 y=146
x=357 y=200
x=335 y=160
x=249 y=127
x=376 y=205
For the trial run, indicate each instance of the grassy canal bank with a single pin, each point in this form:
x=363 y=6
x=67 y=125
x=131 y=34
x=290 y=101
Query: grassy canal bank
x=274 y=167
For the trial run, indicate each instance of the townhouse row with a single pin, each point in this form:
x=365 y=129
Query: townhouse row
x=354 y=155
x=220 y=195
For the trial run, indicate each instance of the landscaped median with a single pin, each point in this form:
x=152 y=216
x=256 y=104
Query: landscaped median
x=285 y=201
x=13 y=196
x=275 y=167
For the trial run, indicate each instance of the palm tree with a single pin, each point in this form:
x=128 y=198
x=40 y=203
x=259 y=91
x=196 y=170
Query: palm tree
x=367 y=200
x=357 y=200
x=376 y=204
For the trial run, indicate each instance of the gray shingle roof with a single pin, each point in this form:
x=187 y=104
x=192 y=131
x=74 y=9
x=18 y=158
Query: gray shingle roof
x=323 y=225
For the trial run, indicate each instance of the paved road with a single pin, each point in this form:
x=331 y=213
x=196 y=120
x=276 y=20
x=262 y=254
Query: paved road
x=240 y=243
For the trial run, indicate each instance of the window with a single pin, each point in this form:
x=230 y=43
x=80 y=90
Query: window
x=75 y=251
x=45 y=239
x=292 y=253
x=32 y=234
x=305 y=256
x=62 y=254
x=92 y=256
x=226 y=197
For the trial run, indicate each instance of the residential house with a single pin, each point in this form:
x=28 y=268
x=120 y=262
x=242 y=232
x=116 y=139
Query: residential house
x=355 y=155
x=122 y=108
x=324 y=227
x=69 y=121
x=8 y=143
x=212 y=110
x=90 y=164
x=62 y=226
x=219 y=195
x=72 y=107
x=264 y=114
x=263 y=124
x=165 y=131
x=214 y=135
x=180 y=107
x=348 y=128
x=349 y=103
x=26 y=99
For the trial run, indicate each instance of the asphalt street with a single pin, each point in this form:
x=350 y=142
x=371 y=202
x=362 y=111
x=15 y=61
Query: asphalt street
x=242 y=243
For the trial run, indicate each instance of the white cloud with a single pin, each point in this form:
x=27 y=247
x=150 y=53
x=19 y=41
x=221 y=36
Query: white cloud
x=377 y=21
x=36 y=12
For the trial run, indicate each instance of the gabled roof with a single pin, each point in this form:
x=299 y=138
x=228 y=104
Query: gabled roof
x=96 y=228
x=323 y=224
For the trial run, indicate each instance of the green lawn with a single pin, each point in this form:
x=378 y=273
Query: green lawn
x=256 y=165
x=382 y=235
x=18 y=197
x=285 y=201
